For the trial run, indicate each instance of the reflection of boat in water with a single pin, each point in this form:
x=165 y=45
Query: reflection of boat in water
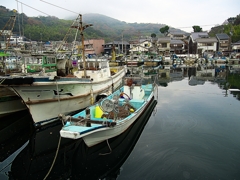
x=75 y=160
x=15 y=130
x=10 y=102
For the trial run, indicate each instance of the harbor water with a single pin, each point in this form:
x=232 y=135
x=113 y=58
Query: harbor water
x=192 y=133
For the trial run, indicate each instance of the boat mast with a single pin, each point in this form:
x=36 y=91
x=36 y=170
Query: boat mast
x=83 y=48
x=81 y=28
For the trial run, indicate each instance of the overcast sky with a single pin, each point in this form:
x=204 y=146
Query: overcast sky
x=182 y=14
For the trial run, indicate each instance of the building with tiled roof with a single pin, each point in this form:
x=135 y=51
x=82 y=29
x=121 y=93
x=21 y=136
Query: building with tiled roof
x=223 y=44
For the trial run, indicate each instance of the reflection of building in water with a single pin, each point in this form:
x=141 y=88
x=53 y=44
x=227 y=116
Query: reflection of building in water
x=193 y=81
x=191 y=71
x=176 y=74
x=205 y=72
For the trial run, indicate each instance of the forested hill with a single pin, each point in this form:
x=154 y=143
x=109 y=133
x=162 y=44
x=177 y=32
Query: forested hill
x=54 y=29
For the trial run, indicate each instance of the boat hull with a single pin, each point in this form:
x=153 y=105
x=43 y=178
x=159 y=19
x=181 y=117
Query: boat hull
x=110 y=132
x=96 y=134
x=46 y=98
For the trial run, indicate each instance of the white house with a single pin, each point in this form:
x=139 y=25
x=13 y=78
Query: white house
x=208 y=45
x=200 y=43
x=140 y=47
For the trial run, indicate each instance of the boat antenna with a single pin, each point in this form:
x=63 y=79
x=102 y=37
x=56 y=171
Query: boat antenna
x=81 y=28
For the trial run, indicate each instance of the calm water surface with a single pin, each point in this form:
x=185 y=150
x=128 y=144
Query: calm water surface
x=193 y=133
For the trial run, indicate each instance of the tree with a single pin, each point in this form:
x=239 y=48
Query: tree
x=164 y=30
x=153 y=35
x=197 y=28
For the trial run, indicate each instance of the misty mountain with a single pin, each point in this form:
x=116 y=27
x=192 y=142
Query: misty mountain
x=50 y=28
x=53 y=28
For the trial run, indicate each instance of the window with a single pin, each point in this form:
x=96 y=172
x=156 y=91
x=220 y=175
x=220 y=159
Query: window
x=164 y=45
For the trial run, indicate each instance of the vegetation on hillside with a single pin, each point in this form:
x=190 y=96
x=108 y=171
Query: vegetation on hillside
x=51 y=28
x=231 y=27
x=54 y=29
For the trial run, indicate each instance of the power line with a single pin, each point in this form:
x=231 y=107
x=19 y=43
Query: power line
x=196 y=25
x=33 y=8
x=59 y=7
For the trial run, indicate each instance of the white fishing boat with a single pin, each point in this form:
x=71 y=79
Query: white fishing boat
x=47 y=95
x=110 y=116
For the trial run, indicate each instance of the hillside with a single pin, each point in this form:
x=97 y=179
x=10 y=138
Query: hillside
x=54 y=29
x=230 y=27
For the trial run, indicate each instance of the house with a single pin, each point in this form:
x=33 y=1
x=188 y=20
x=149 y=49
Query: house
x=236 y=47
x=180 y=35
x=140 y=47
x=179 y=41
x=94 y=46
x=200 y=43
x=177 y=46
x=236 y=50
x=120 y=47
x=163 y=44
x=223 y=44
x=206 y=45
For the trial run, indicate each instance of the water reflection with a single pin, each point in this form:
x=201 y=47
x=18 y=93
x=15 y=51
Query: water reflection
x=74 y=159
x=194 y=135
x=226 y=77
x=15 y=130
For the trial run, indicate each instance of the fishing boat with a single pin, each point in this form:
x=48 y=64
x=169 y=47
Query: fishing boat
x=47 y=95
x=112 y=115
x=72 y=159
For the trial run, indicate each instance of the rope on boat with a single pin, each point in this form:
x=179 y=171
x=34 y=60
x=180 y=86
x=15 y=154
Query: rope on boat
x=103 y=154
x=59 y=142
x=59 y=99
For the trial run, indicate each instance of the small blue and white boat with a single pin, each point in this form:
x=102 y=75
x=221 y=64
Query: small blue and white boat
x=112 y=115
